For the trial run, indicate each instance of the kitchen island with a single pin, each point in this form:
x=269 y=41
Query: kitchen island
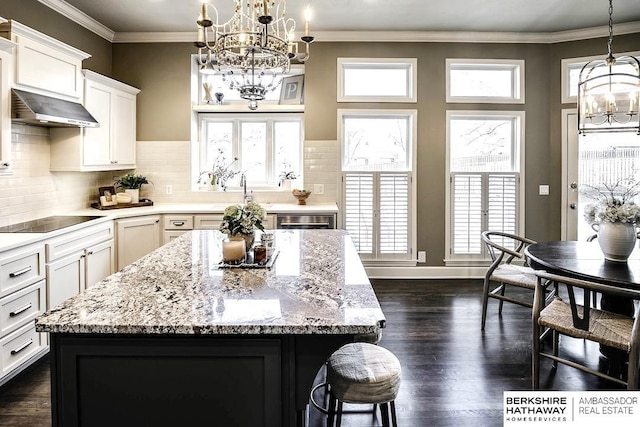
x=173 y=339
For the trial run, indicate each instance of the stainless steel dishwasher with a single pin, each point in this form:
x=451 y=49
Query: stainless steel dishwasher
x=306 y=221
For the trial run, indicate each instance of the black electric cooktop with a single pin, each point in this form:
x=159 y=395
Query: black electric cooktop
x=44 y=225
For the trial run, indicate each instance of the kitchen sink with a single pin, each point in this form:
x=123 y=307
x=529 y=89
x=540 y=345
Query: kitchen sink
x=44 y=225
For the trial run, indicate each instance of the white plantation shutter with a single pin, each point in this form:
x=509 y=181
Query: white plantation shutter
x=467 y=213
x=358 y=208
x=482 y=201
x=394 y=213
x=377 y=213
x=502 y=200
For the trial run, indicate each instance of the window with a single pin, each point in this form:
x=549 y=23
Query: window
x=360 y=80
x=570 y=74
x=232 y=96
x=264 y=145
x=377 y=163
x=485 y=165
x=485 y=81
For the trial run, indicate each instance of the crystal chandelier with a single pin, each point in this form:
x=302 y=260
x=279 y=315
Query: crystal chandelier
x=253 y=49
x=608 y=92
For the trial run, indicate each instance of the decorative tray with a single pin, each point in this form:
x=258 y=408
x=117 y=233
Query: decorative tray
x=249 y=262
x=143 y=202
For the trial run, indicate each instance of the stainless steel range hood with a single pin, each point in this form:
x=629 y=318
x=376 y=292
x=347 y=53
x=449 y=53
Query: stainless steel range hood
x=40 y=110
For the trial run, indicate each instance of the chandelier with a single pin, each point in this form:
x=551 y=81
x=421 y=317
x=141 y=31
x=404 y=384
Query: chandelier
x=608 y=92
x=253 y=49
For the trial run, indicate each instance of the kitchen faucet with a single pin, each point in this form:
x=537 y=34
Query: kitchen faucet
x=243 y=182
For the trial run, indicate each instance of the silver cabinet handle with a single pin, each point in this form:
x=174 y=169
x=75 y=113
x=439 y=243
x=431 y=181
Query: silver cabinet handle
x=572 y=205
x=22 y=347
x=14 y=313
x=89 y=252
x=20 y=272
x=177 y=223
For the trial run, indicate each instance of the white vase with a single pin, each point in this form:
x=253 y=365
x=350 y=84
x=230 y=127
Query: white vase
x=135 y=194
x=616 y=239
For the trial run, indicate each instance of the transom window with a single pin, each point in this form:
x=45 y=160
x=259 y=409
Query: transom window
x=485 y=80
x=265 y=146
x=570 y=73
x=377 y=80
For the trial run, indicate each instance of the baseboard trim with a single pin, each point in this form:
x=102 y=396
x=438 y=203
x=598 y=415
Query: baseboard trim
x=426 y=272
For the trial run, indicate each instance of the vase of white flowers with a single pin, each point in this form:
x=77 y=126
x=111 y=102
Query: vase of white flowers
x=241 y=221
x=615 y=217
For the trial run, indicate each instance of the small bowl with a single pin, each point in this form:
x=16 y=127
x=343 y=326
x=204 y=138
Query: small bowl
x=301 y=195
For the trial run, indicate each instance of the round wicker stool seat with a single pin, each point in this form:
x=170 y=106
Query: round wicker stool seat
x=363 y=373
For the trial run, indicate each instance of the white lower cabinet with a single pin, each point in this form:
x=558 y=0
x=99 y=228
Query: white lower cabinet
x=77 y=260
x=22 y=299
x=137 y=237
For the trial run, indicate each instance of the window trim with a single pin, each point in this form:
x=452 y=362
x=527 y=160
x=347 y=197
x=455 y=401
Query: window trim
x=413 y=238
x=518 y=72
x=450 y=258
x=198 y=146
x=379 y=63
x=578 y=62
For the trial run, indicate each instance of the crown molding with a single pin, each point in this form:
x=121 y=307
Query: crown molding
x=91 y=24
x=80 y=18
x=155 y=37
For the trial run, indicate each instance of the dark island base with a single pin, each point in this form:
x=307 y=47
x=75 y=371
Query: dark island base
x=124 y=380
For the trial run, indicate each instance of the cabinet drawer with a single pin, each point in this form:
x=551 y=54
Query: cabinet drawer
x=19 y=346
x=21 y=307
x=20 y=268
x=68 y=243
x=182 y=222
x=207 y=222
x=171 y=235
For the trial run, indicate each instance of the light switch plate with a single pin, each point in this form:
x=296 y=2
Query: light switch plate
x=318 y=188
x=543 y=190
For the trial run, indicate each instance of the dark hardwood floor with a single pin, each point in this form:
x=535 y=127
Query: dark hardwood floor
x=453 y=375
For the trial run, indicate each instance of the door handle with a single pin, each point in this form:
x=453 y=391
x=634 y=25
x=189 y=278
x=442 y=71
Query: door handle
x=572 y=206
x=573 y=185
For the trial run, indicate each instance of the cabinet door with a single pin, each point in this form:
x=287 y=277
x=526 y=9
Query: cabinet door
x=97 y=141
x=100 y=262
x=65 y=278
x=137 y=237
x=123 y=129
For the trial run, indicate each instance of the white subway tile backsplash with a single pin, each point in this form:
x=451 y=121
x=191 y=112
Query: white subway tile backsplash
x=34 y=192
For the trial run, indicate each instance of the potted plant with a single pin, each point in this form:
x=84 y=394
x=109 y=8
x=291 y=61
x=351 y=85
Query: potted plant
x=285 y=179
x=219 y=174
x=131 y=184
x=240 y=221
x=614 y=216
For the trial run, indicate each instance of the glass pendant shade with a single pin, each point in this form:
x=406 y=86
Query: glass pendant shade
x=608 y=95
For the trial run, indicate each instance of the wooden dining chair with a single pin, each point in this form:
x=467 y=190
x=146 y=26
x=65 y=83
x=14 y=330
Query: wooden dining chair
x=504 y=249
x=586 y=322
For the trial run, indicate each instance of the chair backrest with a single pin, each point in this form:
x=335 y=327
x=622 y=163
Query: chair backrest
x=581 y=316
x=500 y=244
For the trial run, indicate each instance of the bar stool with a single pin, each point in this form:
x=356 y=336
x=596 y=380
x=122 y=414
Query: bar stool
x=363 y=373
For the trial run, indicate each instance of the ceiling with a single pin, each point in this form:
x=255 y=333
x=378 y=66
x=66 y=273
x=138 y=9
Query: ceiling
x=520 y=16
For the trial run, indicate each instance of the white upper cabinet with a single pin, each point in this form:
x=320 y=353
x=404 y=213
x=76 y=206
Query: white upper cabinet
x=112 y=146
x=37 y=52
x=6 y=62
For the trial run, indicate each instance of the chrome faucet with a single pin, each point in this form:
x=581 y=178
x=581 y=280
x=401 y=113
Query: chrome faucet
x=246 y=198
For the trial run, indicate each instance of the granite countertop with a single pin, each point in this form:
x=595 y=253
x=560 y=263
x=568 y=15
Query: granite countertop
x=317 y=285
